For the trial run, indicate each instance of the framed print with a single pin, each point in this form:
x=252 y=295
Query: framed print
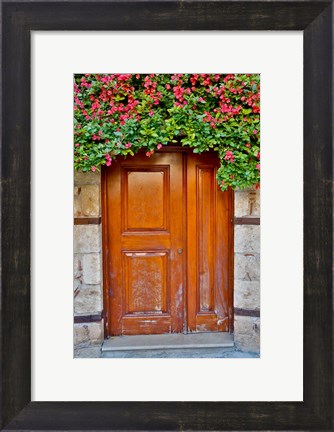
x=261 y=377
x=20 y=20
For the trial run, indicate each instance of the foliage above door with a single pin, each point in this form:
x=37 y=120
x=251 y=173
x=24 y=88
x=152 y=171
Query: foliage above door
x=119 y=114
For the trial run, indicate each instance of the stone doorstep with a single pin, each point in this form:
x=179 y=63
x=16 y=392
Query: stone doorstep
x=168 y=342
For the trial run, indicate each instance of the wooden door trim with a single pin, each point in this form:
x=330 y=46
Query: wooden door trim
x=185 y=242
x=105 y=252
x=231 y=260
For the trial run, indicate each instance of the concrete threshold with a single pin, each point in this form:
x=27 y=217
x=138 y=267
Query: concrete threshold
x=173 y=341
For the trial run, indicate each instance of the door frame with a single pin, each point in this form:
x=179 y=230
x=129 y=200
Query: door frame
x=105 y=235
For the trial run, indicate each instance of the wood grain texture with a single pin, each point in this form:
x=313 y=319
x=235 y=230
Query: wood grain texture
x=143 y=229
x=246 y=312
x=87 y=318
x=168 y=15
x=318 y=214
x=18 y=19
x=15 y=220
x=167 y=416
x=87 y=221
x=160 y=278
x=208 y=246
x=246 y=220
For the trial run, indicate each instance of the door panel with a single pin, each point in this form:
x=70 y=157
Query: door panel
x=208 y=227
x=146 y=281
x=143 y=229
x=139 y=213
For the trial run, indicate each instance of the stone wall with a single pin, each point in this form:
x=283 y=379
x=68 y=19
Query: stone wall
x=88 y=295
x=247 y=270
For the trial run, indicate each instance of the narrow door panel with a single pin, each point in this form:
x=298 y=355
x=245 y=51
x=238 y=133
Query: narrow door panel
x=208 y=294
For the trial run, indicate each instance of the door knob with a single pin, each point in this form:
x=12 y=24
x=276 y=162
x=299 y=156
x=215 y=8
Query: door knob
x=180 y=250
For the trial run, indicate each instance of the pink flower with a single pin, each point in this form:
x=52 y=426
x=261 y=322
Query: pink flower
x=258 y=155
x=149 y=153
x=254 y=131
x=167 y=86
x=108 y=163
x=128 y=145
x=93 y=168
x=258 y=166
x=77 y=145
x=159 y=146
x=247 y=145
x=229 y=157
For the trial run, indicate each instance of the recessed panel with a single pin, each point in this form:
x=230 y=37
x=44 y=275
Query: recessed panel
x=146 y=282
x=206 y=237
x=146 y=196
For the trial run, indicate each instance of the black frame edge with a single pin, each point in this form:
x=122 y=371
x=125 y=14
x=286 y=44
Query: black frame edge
x=318 y=221
x=17 y=412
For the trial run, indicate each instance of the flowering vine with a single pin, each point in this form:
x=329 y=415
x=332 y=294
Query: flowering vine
x=119 y=114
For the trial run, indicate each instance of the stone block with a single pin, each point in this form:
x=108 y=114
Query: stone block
x=77 y=212
x=77 y=265
x=88 y=299
x=81 y=178
x=88 y=333
x=241 y=203
x=255 y=208
x=247 y=203
x=90 y=200
x=247 y=266
x=87 y=238
x=247 y=238
x=247 y=294
x=91 y=269
x=247 y=333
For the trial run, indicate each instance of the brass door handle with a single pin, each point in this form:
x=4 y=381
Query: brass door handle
x=180 y=250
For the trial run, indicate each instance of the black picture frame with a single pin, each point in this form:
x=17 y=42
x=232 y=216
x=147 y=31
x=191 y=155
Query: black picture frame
x=315 y=18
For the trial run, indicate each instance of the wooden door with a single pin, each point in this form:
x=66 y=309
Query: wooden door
x=144 y=230
x=167 y=238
